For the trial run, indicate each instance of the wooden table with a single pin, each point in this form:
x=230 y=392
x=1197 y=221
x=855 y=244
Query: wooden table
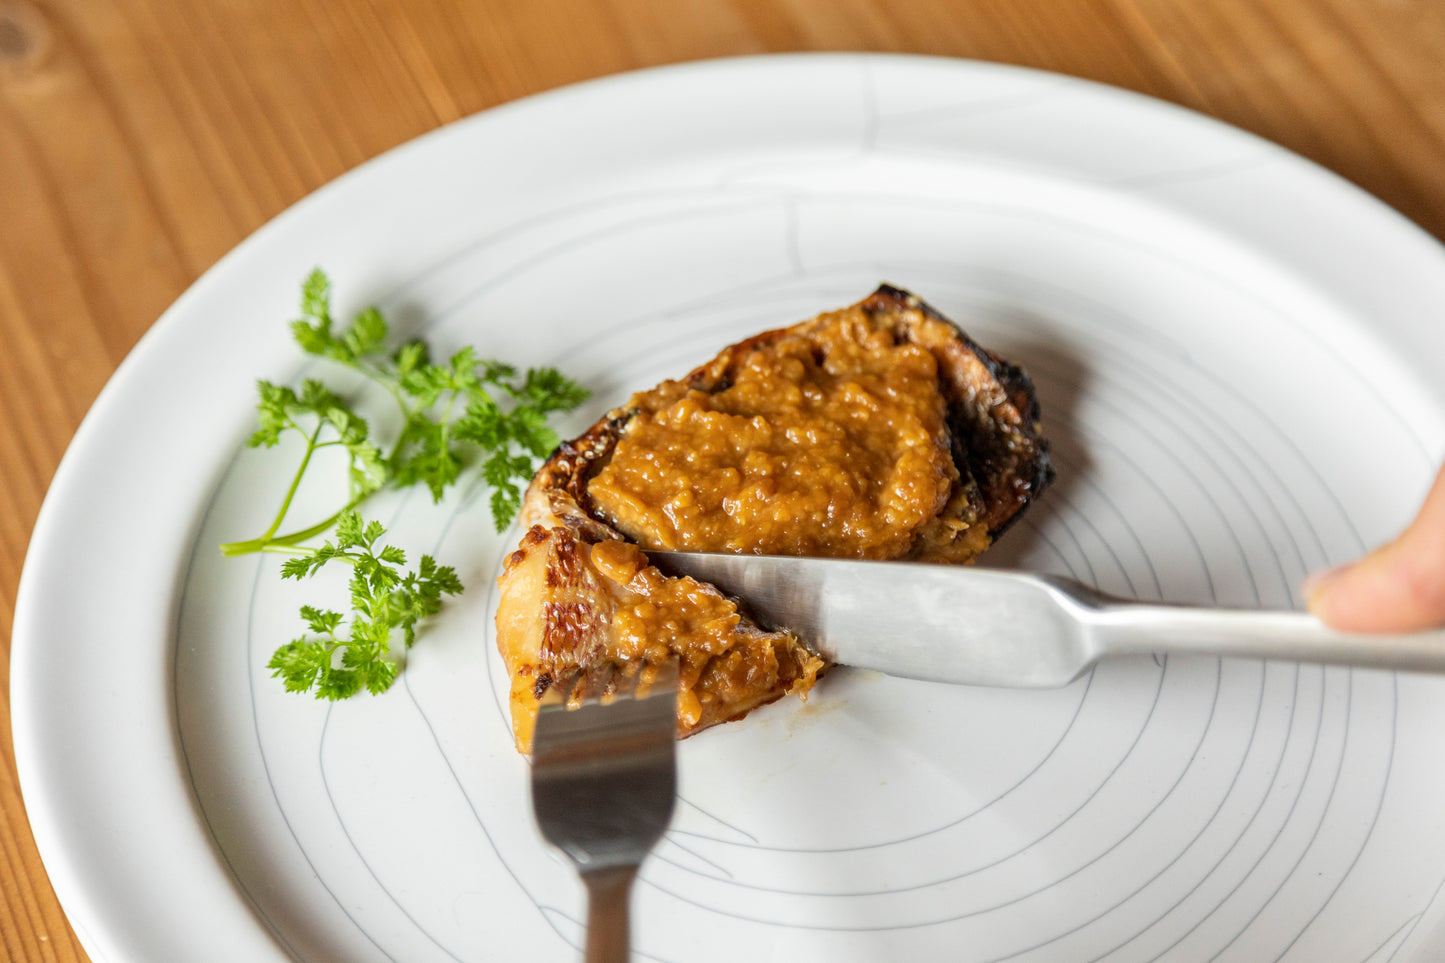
x=142 y=139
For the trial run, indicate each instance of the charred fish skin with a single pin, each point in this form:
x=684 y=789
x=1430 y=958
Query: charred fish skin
x=579 y=588
x=994 y=411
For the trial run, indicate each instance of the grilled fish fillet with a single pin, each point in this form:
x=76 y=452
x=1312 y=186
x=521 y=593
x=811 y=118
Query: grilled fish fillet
x=879 y=431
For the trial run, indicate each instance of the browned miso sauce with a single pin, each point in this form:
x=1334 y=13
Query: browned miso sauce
x=832 y=441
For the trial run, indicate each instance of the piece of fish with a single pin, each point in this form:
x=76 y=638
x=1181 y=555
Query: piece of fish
x=579 y=589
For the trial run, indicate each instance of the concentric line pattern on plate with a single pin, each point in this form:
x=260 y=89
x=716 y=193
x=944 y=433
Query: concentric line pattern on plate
x=1150 y=809
x=1196 y=385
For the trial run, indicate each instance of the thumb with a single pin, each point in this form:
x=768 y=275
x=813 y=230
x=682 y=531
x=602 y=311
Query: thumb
x=1397 y=588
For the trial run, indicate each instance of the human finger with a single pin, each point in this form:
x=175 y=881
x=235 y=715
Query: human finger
x=1399 y=587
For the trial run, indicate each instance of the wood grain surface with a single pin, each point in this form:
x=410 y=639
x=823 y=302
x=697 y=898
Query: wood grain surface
x=142 y=139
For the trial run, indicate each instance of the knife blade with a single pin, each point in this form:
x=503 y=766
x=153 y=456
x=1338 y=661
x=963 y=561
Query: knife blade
x=982 y=626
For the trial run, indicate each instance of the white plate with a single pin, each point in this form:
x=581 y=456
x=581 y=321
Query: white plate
x=1238 y=357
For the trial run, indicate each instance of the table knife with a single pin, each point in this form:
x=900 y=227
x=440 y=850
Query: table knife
x=982 y=626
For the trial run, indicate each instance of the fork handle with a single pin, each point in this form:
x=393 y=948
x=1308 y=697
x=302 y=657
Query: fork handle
x=609 y=892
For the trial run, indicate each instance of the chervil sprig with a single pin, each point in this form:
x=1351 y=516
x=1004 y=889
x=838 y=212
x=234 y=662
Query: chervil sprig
x=466 y=411
x=335 y=663
x=451 y=414
x=450 y=417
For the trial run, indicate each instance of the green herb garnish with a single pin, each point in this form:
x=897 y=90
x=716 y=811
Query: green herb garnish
x=465 y=412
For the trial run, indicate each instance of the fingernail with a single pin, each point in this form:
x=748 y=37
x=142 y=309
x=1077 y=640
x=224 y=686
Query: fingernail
x=1315 y=584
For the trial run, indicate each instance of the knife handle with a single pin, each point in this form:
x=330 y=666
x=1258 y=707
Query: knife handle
x=1121 y=628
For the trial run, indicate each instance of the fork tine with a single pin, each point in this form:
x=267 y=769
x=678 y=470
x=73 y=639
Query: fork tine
x=609 y=680
x=604 y=779
x=598 y=682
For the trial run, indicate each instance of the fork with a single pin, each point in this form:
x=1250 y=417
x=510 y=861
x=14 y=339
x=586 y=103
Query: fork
x=604 y=778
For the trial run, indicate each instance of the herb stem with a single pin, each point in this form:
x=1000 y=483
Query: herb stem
x=267 y=543
x=295 y=484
